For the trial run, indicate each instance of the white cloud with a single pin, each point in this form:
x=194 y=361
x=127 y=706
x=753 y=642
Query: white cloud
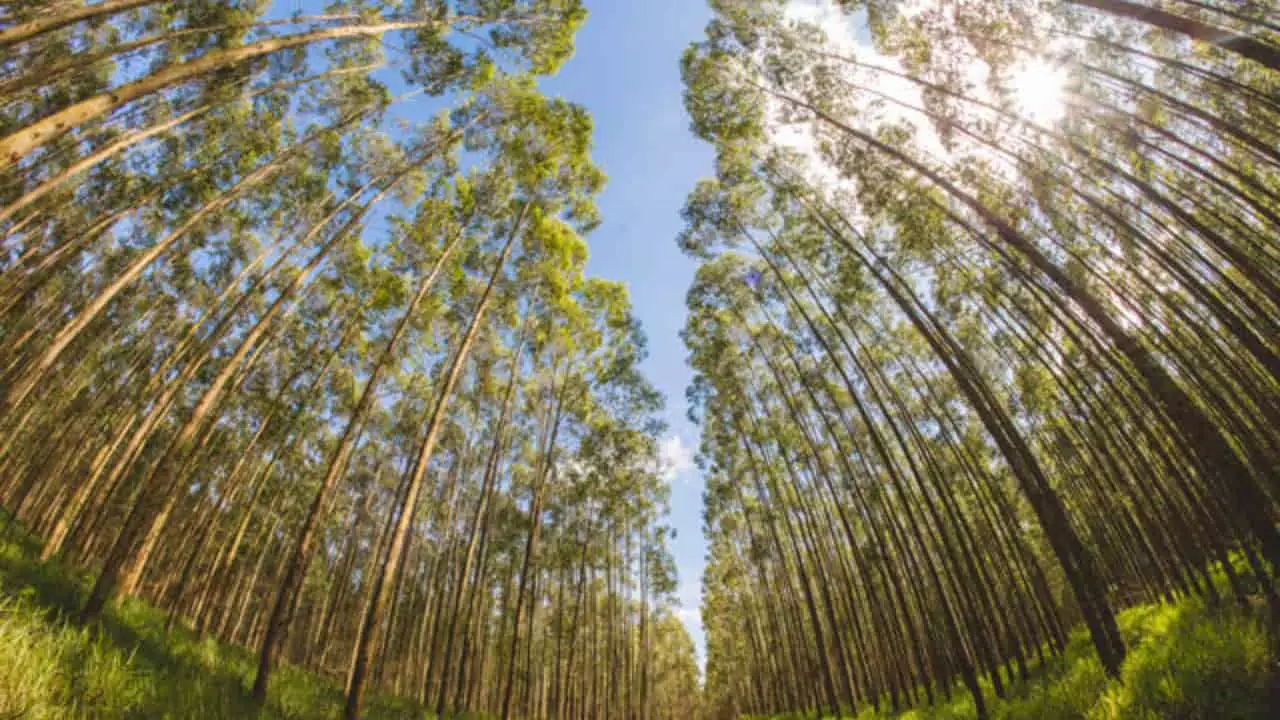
x=674 y=458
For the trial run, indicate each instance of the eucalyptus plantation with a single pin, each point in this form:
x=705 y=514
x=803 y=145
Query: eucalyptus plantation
x=322 y=381
x=299 y=355
x=984 y=332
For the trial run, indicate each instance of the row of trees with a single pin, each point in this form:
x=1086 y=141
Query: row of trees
x=969 y=372
x=318 y=378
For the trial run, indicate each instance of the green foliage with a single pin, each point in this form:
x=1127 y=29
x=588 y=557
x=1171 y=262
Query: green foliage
x=1199 y=665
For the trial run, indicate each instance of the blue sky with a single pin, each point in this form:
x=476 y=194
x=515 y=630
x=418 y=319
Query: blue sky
x=627 y=73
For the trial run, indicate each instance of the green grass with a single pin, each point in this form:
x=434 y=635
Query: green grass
x=51 y=668
x=1185 y=662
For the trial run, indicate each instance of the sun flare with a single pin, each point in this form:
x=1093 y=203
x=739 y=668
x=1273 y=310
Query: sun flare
x=1039 y=91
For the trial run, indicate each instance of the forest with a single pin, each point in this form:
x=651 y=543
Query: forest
x=310 y=406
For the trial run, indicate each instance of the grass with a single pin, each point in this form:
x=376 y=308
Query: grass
x=1185 y=662
x=50 y=668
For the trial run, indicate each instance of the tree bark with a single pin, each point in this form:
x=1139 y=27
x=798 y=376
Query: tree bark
x=33 y=28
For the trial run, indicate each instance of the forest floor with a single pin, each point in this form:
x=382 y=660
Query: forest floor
x=1184 y=662
x=50 y=668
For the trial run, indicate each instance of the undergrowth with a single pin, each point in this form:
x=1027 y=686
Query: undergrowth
x=1185 y=662
x=51 y=668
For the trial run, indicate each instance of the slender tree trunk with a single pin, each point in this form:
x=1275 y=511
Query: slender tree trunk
x=29 y=29
x=1072 y=554
x=530 y=547
x=479 y=522
x=132 y=139
x=1256 y=50
x=15 y=394
x=123 y=566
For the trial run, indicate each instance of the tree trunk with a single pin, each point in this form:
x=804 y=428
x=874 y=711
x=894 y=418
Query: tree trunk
x=1228 y=40
x=42 y=24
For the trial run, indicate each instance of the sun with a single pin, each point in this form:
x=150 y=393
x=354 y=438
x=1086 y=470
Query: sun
x=1039 y=91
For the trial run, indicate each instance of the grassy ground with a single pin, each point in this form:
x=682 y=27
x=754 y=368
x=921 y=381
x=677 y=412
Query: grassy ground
x=1185 y=662
x=51 y=668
